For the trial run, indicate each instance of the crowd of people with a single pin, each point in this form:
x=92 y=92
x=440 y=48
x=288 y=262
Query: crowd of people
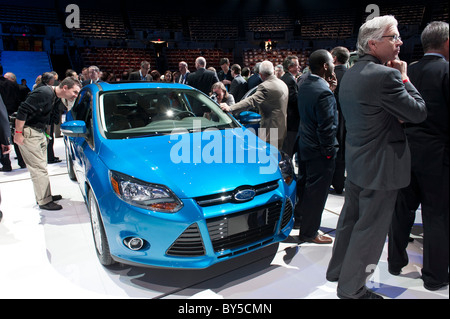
x=376 y=132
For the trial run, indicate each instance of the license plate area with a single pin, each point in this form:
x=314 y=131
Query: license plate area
x=243 y=228
x=245 y=222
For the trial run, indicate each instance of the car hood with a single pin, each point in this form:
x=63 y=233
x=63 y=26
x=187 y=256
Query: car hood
x=195 y=164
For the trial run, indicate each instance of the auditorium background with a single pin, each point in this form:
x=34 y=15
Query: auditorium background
x=116 y=36
x=47 y=254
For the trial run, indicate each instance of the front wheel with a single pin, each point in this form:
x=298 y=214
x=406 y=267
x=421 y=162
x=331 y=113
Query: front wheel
x=98 y=230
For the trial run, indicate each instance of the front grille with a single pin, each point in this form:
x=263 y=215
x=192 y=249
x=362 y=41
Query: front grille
x=244 y=228
x=189 y=244
x=227 y=197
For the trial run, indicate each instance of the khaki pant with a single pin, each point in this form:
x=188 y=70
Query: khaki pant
x=34 y=152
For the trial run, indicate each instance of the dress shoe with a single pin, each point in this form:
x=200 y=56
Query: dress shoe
x=435 y=287
x=5 y=169
x=50 y=206
x=56 y=197
x=330 y=279
x=319 y=239
x=394 y=271
x=367 y=295
x=53 y=161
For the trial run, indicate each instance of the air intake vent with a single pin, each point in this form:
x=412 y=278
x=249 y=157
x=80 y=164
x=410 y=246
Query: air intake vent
x=189 y=244
x=287 y=214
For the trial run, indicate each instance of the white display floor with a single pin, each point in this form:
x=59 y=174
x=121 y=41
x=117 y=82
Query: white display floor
x=50 y=254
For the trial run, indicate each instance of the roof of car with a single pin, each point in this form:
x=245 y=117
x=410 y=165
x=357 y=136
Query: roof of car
x=128 y=85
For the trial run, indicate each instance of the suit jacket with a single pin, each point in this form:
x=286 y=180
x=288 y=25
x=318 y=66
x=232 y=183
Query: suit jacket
x=182 y=79
x=271 y=98
x=341 y=132
x=10 y=93
x=222 y=76
x=293 y=117
x=318 y=124
x=253 y=81
x=87 y=82
x=5 y=131
x=136 y=76
x=429 y=140
x=238 y=88
x=373 y=99
x=202 y=80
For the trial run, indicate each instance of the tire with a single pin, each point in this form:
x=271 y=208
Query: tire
x=98 y=232
x=69 y=164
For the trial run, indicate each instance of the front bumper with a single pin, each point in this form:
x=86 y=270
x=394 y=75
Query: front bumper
x=196 y=236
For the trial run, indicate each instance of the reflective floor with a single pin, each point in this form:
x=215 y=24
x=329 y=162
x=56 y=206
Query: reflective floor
x=50 y=254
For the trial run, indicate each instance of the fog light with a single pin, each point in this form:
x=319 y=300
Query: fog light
x=133 y=243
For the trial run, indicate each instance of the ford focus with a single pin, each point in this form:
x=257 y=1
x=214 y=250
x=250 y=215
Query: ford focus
x=170 y=180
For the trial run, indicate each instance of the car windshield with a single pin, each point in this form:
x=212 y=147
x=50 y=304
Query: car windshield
x=147 y=112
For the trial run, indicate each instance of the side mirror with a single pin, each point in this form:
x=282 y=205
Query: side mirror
x=249 y=118
x=74 y=129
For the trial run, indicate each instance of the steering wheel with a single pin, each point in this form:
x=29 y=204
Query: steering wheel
x=184 y=114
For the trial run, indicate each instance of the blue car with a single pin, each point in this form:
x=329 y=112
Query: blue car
x=170 y=180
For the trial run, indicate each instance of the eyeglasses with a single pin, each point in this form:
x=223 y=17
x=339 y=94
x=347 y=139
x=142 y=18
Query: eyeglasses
x=394 y=37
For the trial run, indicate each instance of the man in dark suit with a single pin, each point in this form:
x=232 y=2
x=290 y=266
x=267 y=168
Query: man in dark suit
x=224 y=75
x=94 y=75
x=202 y=79
x=238 y=86
x=10 y=92
x=316 y=144
x=5 y=136
x=142 y=73
x=375 y=99
x=429 y=144
x=340 y=59
x=184 y=72
x=291 y=68
x=255 y=79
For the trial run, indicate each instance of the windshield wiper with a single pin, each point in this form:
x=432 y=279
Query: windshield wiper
x=148 y=135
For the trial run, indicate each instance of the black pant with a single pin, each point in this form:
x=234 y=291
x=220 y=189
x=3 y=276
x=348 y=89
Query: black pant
x=431 y=191
x=50 y=152
x=338 y=181
x=339 y=172
x=312 y=191
x=6 y=161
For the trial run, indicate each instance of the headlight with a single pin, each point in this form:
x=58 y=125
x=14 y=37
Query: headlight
x=286 y=168
x=146 y=195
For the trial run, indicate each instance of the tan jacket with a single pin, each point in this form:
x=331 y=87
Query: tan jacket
x=271 y=98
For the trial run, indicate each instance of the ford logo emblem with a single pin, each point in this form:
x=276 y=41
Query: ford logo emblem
x=244 y=194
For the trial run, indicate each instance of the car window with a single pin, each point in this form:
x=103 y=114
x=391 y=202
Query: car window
x=134 y=113
x=82 y=111
x=82 y=105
